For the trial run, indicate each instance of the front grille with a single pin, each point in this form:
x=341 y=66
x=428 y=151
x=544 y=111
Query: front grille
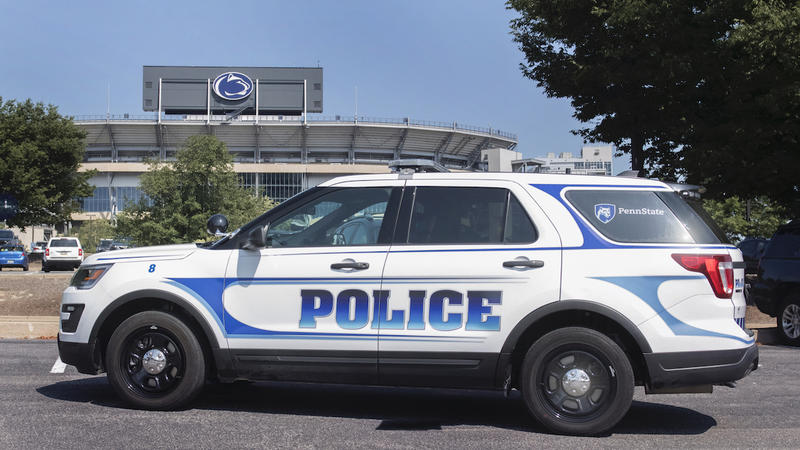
x=740 y=322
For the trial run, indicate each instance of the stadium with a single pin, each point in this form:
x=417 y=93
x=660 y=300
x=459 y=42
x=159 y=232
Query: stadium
x=270 y=119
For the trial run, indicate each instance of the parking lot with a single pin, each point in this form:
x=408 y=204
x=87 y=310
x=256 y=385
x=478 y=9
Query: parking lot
x=68 y=410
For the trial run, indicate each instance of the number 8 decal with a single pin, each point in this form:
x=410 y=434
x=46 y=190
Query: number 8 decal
x=152 y=268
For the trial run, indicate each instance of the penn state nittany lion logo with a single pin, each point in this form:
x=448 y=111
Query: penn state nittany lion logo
x=233 y=86
x=605 y=212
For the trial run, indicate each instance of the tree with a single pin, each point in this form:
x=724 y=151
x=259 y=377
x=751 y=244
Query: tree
x=183 y=194
x=732 y=217
x=701 y=90
x=91 y=231
x=40 y=152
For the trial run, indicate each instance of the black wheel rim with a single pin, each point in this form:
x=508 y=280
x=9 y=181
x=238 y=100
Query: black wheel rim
x=576 y=384
x=135 y=361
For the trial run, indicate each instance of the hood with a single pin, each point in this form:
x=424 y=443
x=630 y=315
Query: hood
x=155 y=253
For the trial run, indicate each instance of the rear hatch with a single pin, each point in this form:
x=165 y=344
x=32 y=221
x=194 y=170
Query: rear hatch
x=11 y=255
x=66 y=249
x=723 y=264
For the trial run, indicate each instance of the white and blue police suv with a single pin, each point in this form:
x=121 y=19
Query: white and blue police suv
x=571 y=289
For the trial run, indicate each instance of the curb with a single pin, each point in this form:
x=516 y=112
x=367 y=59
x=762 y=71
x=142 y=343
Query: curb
x=29 y=327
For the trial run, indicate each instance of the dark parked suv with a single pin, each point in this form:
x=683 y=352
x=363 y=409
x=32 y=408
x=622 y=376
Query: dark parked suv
x=777 y=289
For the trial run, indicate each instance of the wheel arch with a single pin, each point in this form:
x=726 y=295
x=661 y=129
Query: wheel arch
x=156 y=300
x=565 y=313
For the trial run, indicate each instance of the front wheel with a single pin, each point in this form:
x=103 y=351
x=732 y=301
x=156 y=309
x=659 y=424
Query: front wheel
x=154 y=361
x=577 y=381
x=789 y=321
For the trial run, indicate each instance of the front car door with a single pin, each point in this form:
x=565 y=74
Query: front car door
x=301 y=308
x=470 y=259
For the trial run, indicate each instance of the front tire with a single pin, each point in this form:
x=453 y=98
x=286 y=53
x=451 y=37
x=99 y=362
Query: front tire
x=577 y=381
x=154 y=361
x=788 y=320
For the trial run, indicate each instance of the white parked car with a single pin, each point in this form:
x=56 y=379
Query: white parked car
x=571 y=289
x=62 y=253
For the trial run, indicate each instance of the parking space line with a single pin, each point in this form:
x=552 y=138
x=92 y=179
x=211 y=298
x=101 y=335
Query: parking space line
x=58 y=367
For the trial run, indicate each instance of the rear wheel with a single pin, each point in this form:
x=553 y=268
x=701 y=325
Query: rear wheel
x=577 y=381
x=789 y=321
x=45 y=267
x=154 y=361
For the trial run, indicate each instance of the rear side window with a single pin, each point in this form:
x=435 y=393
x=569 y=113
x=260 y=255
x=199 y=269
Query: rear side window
x=785 y=244
x=642 y=216
x=456 y=215
x=63 y=243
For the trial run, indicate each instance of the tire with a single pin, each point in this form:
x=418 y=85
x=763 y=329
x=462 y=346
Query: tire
x=594 y=368
x=170 y=386
x=788 y=321
x=25 y=269
x=45 y=268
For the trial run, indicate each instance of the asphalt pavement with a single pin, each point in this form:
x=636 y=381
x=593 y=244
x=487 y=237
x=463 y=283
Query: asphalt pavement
x=41 y=409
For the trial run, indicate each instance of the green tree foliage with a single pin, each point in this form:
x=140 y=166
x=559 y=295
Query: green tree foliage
x=703 y=90
x=91 y=231
x=186 y=192
x=40 y=152
x=732 y=217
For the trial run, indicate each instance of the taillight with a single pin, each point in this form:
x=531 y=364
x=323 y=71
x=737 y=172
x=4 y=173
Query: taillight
x=80 y=252
x=717 y=268
x=47 y=252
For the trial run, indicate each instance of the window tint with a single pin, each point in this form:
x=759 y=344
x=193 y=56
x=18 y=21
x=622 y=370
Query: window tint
x=695 y=218
x=63 y=243
x=785 y=244
x=519 y=229
x=630 y=216
x=455 y=215
x=350 y=216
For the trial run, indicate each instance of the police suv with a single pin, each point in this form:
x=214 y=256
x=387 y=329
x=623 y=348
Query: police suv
x=571 y=289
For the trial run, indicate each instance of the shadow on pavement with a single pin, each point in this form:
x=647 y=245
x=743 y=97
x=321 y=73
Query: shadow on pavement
x=397 y=408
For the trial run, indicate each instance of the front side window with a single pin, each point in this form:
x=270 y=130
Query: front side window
x=456 y=215
x=343 y=217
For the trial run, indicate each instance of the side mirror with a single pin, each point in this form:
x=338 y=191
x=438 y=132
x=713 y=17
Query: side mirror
x=217 y=225
x=256 y=239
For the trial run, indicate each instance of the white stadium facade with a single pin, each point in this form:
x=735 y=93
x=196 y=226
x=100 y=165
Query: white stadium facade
x=280 y=142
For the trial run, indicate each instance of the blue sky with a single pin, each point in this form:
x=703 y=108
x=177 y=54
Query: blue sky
x=431 y=60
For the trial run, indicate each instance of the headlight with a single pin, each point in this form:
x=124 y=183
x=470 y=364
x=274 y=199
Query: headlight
x=87 y=276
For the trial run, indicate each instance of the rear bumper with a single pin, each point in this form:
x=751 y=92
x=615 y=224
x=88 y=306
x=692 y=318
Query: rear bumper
x=681 y=369
x=80 y=355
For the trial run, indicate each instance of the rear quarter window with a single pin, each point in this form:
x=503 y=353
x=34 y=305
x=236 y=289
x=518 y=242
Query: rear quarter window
x=642 y=216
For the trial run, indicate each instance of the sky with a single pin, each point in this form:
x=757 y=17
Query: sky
x=429 y=60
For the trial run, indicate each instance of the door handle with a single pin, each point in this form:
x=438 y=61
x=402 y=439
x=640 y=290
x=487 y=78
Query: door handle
x=350 y=265
x=530 y=263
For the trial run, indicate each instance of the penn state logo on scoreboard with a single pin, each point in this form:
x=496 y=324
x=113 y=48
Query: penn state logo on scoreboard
x=605 y=212
x=233 y=86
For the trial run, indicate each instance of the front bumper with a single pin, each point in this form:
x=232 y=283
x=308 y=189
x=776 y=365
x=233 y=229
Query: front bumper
x=682 y=369
x=81 y=355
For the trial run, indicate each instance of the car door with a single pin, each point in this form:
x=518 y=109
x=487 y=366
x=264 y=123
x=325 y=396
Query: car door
x=468 y=263
x=301 y=308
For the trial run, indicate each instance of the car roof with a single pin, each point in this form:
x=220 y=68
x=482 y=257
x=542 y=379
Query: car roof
x=521 y=178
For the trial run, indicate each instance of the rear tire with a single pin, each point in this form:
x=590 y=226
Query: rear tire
x=577 y=381
x=788 y=321
x=154 y=361
x=45 y=267
x=25 y=269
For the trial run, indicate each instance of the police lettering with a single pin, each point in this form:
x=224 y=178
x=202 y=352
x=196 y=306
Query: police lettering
x=446 y=310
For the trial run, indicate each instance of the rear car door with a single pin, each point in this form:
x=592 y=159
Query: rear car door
x=470 y=259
